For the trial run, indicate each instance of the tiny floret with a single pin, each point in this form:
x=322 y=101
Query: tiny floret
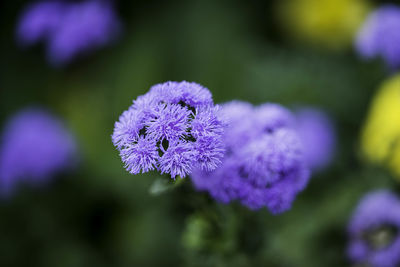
x=173 y=128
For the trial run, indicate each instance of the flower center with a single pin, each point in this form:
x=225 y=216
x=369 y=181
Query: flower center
x=381 y=237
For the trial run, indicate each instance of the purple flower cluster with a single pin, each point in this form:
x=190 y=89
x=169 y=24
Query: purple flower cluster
x=69 y=29
x=380 y=36
x=172 y=128
x=374 y=231
x=264 y=165
x=317 y=133
x=34 y=147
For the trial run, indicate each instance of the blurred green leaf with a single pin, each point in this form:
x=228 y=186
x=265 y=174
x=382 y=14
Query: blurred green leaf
x=164 y=184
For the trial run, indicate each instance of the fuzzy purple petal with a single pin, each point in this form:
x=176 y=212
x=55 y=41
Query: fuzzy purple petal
x=140 y=156
x=177 y=160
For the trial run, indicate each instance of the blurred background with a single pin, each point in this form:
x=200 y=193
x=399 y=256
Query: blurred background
x=256 y=51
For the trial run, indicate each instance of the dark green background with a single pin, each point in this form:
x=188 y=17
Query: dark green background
x=100 y=215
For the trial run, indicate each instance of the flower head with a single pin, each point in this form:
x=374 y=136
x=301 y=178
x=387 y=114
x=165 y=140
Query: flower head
x=380 y=36
x=374 y=230
x=172 y=128
x=39 y=21
x=317 y=133
x=264 y=164
x=69 y=29
x=35 y=146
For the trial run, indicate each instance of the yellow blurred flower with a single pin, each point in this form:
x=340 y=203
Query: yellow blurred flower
x=380 y=140
x=329 y=23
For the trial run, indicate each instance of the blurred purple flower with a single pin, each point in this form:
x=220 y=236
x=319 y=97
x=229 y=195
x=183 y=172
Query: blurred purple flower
x=68 y=29
x=317 y=133
x=39 y=21
x=35 y=146
x=374 y=231
x=172 y=128
x=264 y=164
x=380 y=36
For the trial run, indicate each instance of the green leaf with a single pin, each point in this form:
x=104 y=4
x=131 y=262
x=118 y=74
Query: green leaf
x=163 y=184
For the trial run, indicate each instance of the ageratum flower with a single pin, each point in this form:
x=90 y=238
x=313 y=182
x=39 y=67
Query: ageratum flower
x=172 y=128
x=317 y=133
x=39 y=21
x=68 y=29
x=264 y=165
x=380 y=36
x=374 y=231
x=34 y=147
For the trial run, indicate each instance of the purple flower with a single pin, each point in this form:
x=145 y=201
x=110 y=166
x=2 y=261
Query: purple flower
x=173 y=128
x=317 y=133
x=68 y=29
x=39 y=21
x=34 y=147
x=380 y=36
x=264 y=165
x=374 y=231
